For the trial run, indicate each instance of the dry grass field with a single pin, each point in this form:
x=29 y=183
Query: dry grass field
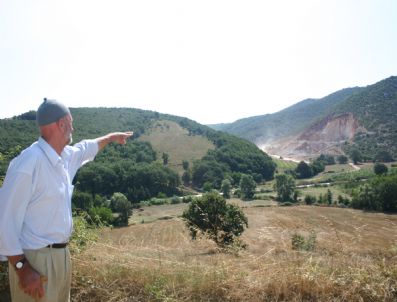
x=354 y=259
x=167 y=137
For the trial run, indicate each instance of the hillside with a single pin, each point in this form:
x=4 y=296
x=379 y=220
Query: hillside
x=362 y=118
x=137 y=169
x=167 y=137
x=265 y=128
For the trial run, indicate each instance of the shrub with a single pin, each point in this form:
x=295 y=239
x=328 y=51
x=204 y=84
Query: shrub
x=310 y=199
x=175 y=200
x=101 y=215
x=286 y=204
x=299 y=242
x=343 y=159
x=83 y=234
x=343 y=201
x=380 y=194
x=187 y=199
x=212 y=216
x=122 y=205
x=380 y=169
x=383 y=156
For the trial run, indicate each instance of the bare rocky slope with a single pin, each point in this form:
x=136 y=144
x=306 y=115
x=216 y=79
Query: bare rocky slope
x=324 y=137
x=363 y=118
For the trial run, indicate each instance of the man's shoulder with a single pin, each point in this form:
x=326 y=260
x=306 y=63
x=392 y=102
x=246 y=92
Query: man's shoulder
x=27 y=160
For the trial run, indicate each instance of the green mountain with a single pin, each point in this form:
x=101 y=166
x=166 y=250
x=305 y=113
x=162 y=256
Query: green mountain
x=163 y=149
x=362 y=118
x=263 y=128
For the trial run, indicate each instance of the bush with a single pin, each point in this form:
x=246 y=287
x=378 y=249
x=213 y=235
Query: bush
x=101 y=215
x=83 y=234
x=286 y=204
x=212 y=216
x=380 y=169
x=121 y=205
x=175 y=200
x=157 y=202
x=383 y=156
x=342 y=159
x=343 y=201
x=82 y=200
x=310 y=199
x=299 y=242
x=187 y=199
x=380 y=194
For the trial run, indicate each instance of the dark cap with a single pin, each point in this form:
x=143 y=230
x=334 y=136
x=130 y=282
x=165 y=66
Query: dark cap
x=50 y=111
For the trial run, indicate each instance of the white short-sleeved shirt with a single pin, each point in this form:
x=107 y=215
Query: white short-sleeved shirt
x=35 y=199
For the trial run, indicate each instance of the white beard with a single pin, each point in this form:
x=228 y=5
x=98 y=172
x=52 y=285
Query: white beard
x=70 y=139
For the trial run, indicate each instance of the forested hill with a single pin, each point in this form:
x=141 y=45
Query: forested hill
x=142 y=169
x=373 y=108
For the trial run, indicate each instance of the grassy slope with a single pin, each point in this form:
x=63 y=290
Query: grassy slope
x=168 y=137
x=283 y=165
x=355 y=259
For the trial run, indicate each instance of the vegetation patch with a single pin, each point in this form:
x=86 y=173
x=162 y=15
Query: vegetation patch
x=167 y=137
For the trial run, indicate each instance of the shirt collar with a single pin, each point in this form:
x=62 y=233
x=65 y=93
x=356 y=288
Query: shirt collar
x=51 y=154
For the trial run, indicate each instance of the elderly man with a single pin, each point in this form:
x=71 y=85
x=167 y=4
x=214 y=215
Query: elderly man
x=35 y=206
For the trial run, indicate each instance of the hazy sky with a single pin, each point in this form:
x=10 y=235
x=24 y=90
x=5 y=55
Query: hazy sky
x=211 y=61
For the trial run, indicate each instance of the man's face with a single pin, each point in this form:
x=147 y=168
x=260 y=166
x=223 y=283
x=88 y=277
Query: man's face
x=67 y=128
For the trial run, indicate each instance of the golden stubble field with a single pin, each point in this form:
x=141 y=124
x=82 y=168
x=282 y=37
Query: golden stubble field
x=355 y=259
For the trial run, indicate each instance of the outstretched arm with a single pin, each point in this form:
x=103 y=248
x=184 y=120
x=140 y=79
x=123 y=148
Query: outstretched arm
x=119 y=137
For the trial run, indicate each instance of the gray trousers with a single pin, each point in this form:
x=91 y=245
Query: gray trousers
x=53 y=263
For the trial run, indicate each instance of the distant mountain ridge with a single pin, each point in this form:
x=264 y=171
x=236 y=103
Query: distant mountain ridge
x=264 y=128
x=371 y=112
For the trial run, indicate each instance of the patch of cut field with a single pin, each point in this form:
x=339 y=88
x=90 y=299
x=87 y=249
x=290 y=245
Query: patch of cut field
x=355 y=259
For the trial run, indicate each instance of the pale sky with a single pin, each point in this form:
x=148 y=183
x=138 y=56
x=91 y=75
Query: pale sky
x=211 y=61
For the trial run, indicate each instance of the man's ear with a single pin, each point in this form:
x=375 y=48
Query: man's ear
x=61 y=124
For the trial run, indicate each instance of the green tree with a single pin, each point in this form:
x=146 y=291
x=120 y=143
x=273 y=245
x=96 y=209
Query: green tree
x=186 y=177
x=356 y=156
x=165 y=157
x=385 y=191
x=342 y=159
x=207 y=187
x=185 y=165
x=208 y=171
x=247 y=186
x=303 y=170
x=329 y=197
x=326 y=159
x=82 y=200
x=383 y=156
x=226 y=188
x=285 y=187
x=120 y=204
x=212 y=216
x=380 y=169
x=365 y=198
x=317 y=166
